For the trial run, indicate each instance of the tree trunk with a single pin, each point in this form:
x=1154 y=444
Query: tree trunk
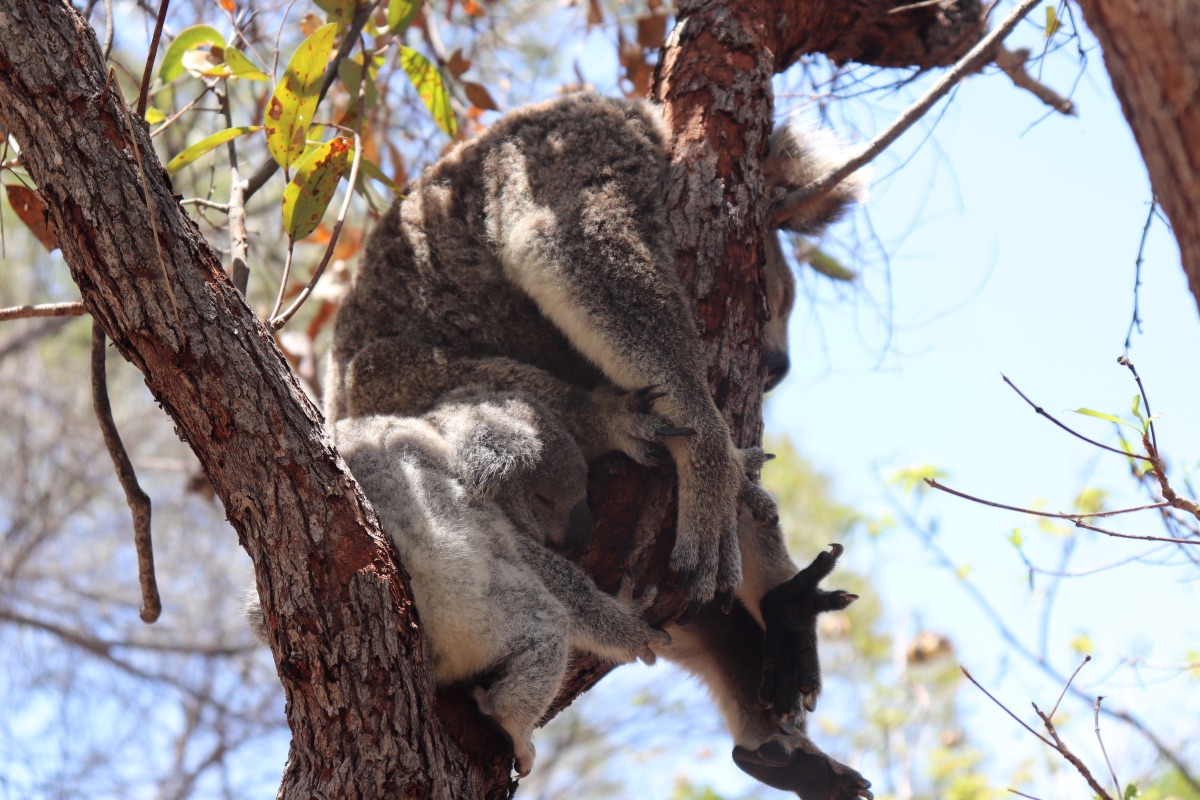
x=360 y=699
x=1152 y=53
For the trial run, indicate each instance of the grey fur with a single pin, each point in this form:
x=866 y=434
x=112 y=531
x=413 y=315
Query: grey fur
x=470 y=493
x=537 y=257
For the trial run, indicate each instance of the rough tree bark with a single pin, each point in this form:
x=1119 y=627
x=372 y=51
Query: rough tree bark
x=361 y=705
x=1152 y=52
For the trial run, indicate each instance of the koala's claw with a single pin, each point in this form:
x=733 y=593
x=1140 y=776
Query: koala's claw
x=645 y=396
x=809 y=773
x=669 y=431
x=689 y=613
x=791 y=677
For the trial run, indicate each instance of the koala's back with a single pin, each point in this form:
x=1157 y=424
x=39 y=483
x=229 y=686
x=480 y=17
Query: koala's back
x=432 y=275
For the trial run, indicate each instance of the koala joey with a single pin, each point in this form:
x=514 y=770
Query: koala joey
x=470 y=494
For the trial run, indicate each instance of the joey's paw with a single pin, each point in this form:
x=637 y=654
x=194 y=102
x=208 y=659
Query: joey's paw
x=752 y=495
x=633 y=427
x=791 y=678
x=809 y=773
x=640 y=604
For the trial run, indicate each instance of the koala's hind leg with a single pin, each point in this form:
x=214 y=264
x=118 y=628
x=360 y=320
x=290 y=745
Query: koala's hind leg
x=726 y=652
x=595 y=257
x=531 y=672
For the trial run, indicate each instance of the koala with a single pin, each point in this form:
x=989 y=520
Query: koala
x=536 y=257
x=470 y=494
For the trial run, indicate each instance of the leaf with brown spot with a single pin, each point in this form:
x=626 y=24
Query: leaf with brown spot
x=29 y=209
x=294 y=100
x=308 y=195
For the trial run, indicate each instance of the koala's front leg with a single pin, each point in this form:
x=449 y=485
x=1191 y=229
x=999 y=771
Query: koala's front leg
x=791 y=666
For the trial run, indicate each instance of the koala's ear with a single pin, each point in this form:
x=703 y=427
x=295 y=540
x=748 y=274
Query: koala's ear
x=800 y=154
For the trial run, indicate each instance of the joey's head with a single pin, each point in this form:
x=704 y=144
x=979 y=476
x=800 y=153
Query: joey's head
x=510 y=449
x=547 y=499
x=797 y=156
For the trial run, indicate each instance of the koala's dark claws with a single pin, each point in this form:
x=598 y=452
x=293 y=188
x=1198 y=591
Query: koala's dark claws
x=836 y=549
x=810 y=700
x=725 y=601
x=657 y=455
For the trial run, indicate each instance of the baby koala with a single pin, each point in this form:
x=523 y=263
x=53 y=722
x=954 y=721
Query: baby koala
x=470 y=494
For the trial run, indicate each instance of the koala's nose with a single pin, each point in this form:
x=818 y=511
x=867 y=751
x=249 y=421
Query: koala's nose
x=777 y=364
x=579 y=528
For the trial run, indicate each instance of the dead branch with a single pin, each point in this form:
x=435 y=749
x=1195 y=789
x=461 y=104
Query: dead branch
x=1071 y=431
x=74 y=309
x=1012 y=63
x=138 y=500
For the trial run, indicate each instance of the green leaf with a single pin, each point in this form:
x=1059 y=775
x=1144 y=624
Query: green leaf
x=206 y=144
x=1137 y=406
x=188 y=39
x=340 y=12
x=373 y=171
x=242 y=67
x=307 y=196
x=1052 y=23
x=1016 y=539
x=351 y=74
x=1108 y=417
x=294 y=101
x=154 y=115
x=428 y=82
x=1131 y=791
x=401 y=13
x=830 y=267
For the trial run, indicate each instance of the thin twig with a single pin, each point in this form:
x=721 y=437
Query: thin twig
x=109 y=26
x=1022 y=794
x=992 y=697
x=139 y=502
x=1074 y=519
x=171 y=119
x=971 y=62
x=143 y=94
x=1012 y=63
x=1136 y=321
x=1067 y=685
x=283 y=282
x=205 y=203
x=1066 y=753
x=1125 y=362
x=1074 y=433
x=75 y=309
x=1111 y=771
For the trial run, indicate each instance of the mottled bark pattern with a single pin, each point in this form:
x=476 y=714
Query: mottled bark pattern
x=1152 y=52
x=360 y=696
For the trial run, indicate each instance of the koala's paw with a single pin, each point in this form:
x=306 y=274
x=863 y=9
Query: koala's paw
x=706 y=558
x=762 y=506
x=791 y=677
x=633 y=427
x=522 y=740
x=640 y=637
x=809 y=773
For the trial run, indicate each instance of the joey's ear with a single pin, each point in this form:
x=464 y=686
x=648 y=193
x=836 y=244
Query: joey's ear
x=493 y=451
x=797 y=156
